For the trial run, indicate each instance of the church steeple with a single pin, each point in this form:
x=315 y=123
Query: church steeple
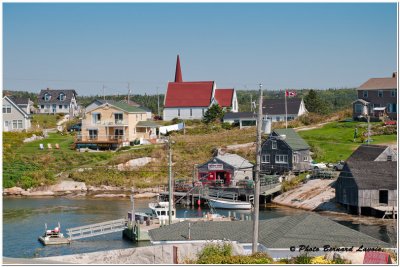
x=178 y=72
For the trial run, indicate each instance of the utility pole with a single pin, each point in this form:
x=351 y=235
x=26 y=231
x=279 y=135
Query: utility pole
x=104 y=92
x=251 y=102
x=257 y=174
x=170 y=180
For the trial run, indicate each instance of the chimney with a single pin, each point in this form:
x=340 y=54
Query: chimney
x=394 y=75
x=178 y=72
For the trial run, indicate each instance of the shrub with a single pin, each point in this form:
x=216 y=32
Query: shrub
x=226 y=125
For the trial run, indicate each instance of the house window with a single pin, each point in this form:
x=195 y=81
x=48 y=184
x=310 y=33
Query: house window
x=295 y=158
x=358 y=108
x=389 y=158
x=274 y=144
x=391 y=107
x=365 y=94
x=380 y=93
x=96 y=117
x=278 y=118
x=281 y=158
x=17 y=124
x=190 y=112
x=265 y=158
x=65 y=106
x=393 y=93
x=6 y=108
x=42 y=106
x=47 y=97
x=305 y=158
x=383 y=196
x=62 y=97
x=92 y=134
x=202 y=111
x=179 y=112
x=118 y=117
x=54 y=108
x=60 y=106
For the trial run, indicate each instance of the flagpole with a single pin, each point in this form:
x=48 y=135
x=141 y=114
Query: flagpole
x=285 y=109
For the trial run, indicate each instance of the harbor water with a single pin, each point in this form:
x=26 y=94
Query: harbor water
x=24 y=220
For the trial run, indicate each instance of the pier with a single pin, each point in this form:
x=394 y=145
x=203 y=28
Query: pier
x=97 y=229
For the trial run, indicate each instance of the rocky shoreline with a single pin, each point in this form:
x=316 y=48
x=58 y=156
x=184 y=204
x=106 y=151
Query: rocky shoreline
x=80 y=189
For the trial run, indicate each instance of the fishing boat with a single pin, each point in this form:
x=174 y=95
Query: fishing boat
x=160 y=210
x=219 y=203
x=53 y=237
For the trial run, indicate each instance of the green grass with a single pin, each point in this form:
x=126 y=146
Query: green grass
x=334 y=141
x=45 y=120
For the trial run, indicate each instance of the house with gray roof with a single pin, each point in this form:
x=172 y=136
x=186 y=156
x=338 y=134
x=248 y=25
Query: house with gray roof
x=15 y=118
x=276 y=235
x=377 y=98
x=226 y=169
x=284 y=151
x=368 y=182
x=274 y=109
x=62 y=101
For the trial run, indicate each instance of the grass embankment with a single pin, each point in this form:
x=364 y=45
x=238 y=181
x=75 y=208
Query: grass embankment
x=25 y=165
x=335 y=141
x=45 y=121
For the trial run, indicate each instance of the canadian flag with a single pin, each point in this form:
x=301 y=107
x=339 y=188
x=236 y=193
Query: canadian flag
x=290 y=93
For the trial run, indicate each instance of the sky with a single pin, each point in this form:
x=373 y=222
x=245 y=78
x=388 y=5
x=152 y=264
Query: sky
x=282 y=45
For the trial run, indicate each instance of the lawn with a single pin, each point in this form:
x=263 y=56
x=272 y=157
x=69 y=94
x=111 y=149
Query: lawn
x=45 y=121
x=334 y=141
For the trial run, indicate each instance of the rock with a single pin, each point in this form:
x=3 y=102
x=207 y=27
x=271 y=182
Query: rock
x=13 y=191
x=38 y=193
x=134 y=163
x=68 y=186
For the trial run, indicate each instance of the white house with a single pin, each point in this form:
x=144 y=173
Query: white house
x=58 y=101
x=15 y=118
x=190 y=100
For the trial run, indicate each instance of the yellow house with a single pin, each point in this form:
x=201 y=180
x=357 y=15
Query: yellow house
x=111 y=125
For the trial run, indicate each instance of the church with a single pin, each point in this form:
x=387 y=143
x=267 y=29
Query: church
x=190 y=100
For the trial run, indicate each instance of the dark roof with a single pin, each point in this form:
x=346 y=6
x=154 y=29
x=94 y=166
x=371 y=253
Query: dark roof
x=69 y=93
x=239 y=115
x=20 y=100
x=293 y=139
x=366 y=153
x=224 y=97
x=304 y=229
x=380 y=83
x=189 y=94
x=277 y=106
x=374 y=174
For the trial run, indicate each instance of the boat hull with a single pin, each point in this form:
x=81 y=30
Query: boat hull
x=54 y=241
x=233 y=205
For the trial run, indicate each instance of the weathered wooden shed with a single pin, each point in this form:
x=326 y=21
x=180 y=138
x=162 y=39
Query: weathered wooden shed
x=368 y=185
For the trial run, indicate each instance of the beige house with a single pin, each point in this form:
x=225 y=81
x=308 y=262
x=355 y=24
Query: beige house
x=114 y=125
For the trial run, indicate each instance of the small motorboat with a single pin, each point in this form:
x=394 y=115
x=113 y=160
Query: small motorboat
x=219 y=203
x=53 y=237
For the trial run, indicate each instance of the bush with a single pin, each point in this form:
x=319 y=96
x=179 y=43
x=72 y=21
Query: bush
x=176 y=120
x=226 y=125
x=312 y=118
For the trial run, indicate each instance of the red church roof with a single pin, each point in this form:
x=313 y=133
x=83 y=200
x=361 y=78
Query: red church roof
x=178 y=72
x=189 y=94
x=224 y=97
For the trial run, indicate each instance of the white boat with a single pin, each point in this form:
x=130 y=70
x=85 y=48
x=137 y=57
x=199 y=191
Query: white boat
x=160 y=210
x=53 y=237
x=219 y=203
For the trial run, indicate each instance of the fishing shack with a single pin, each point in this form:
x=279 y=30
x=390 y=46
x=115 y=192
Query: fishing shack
x=225 y=170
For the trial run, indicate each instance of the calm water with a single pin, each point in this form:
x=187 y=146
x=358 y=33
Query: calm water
x=24 y=219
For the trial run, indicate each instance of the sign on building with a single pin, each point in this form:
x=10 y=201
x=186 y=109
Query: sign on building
x=215 y=167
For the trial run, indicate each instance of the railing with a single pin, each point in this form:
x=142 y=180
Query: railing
x=97 y=229
x=104 y=138
x=108 y=123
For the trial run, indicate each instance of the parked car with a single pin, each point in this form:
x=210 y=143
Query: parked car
x=315 y=165
x=75 y=127
x=338 y=166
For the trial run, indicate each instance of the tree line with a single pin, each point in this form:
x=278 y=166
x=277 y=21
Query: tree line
x=317 y=101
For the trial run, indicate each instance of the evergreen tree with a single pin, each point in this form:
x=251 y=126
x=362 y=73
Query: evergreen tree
x=315 y=104
x=214 y=113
